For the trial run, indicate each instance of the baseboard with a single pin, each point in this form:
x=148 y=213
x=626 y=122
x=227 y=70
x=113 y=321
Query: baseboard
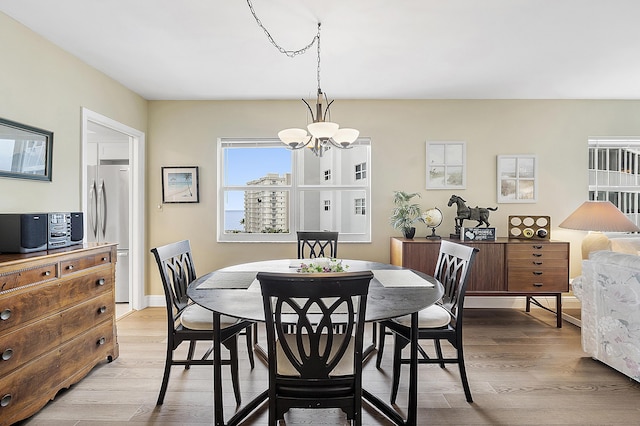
x=519 y=302
x=154 y=301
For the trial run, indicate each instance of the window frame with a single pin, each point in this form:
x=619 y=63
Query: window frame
x=295 y=189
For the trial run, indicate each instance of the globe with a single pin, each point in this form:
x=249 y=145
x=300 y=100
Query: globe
x=433 y=219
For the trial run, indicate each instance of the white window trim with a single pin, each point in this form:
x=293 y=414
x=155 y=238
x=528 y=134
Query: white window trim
x=295 y=189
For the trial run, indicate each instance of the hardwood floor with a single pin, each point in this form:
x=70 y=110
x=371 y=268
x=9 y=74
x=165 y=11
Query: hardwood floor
x=522 y=371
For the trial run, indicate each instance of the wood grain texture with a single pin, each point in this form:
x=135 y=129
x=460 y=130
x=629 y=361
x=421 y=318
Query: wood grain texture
x=522 y=371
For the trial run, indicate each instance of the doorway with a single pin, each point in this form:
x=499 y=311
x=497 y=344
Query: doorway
x=114 y=141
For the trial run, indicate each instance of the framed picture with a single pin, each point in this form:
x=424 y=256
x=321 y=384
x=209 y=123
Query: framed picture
x=446 y=165
x=517 y=179
x=180 y=184
x=25 y=151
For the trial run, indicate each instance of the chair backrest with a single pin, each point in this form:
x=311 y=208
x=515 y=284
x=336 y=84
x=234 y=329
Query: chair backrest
x=314 y=304
x=177 y=271
x=452 y=270
x=312 y=244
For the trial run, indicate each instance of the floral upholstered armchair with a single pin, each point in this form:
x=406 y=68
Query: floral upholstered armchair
x=609 y=290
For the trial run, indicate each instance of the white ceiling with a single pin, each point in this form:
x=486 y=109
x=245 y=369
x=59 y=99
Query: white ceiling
x=371 y=49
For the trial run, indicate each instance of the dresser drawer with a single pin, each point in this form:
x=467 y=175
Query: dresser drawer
x=543 y=280
x=82 y=353
x=25 y=277
x=86 y=287
x=537 y=250
x=78 y=264
x=35 y=383
x=80 y=318
x=538 y=262
x=24 y=344
x=24 y=305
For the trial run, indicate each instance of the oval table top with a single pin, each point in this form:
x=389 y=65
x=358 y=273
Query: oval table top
x=235 y=292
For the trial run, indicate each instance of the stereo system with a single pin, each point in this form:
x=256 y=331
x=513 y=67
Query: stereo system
x=29 y=232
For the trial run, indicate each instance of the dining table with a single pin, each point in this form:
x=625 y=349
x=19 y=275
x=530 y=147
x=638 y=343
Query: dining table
x=393 y=292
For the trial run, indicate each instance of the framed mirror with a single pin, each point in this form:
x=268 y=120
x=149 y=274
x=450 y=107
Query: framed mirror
x=25 y=151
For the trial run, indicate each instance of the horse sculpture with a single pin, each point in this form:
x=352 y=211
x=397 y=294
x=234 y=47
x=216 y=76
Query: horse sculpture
x=480 y=214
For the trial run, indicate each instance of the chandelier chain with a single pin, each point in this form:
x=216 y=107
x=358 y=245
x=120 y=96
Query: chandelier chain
x=289 y=53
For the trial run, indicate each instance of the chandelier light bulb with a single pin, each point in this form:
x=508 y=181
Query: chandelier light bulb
x=293 y=137
x=346 y=136
x=323 y=129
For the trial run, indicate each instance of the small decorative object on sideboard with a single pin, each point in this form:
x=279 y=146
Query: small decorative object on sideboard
x=479 y=214
x=405 y=214
x=433 y=219
x=478 y=234
x=530 y=227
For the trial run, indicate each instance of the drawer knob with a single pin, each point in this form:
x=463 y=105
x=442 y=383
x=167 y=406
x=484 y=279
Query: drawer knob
x=537 y=254
x=102 y=309
x=7 y=354
x=537 y=284
x=101 y=281
x=537 y=262
x=537 y=272
x=6 y=400
x=101 y=341
x=46 y=273
x=5 y=315
x=70 y=267
x=104 y=259
x=537 y=247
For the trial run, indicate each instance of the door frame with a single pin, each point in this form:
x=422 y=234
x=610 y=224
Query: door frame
x=136 y=198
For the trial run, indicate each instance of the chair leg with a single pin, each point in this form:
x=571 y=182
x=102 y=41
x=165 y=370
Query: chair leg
x=436 y=343
x=167 y=371
x=192 y=349
x=232 y=345
x=247 y=332
x=381 y=337
x=398 y=344
x=463 y=375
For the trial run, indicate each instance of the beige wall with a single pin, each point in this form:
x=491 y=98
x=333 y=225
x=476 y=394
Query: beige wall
x=42 y=86
x=45 y=87
x=185 y=133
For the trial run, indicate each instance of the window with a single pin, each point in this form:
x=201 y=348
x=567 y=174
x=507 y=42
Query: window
x=614 y=175
x=266 y=192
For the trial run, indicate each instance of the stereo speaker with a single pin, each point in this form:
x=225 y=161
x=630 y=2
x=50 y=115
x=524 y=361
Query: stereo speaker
x=530 y=227
x=23 y=232
x=77 y=229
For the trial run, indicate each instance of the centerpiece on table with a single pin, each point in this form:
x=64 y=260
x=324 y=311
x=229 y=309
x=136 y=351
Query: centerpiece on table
x=323 y=264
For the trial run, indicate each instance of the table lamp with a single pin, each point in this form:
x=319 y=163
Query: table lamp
x=598 y=217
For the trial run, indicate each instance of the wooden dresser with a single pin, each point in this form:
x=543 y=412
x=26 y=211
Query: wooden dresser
x=57 y=321
x=505 y=267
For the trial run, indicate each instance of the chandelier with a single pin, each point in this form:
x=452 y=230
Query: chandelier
x=321 y=134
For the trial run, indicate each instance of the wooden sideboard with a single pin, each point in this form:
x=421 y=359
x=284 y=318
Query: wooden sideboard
x=57 y=322
x=505 y=267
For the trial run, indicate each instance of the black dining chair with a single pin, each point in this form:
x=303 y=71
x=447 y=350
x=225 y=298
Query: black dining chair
x=315 y=366
x=312 y=244
x=441 y=321
x=188 y=322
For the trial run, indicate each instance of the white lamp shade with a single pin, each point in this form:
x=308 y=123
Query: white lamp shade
x=290 y=136
x=600 y=216
x=346 y=136
x=323 y=129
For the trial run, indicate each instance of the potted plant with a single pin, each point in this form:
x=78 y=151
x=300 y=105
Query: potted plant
x=405 y=214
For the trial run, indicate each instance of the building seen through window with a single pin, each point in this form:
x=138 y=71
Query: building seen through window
x=267 y=192
x=614 y=174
